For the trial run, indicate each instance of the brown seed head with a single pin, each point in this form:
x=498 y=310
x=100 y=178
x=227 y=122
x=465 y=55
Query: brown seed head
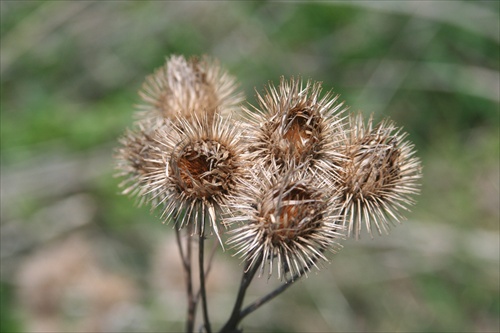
x=201 y=164
x=136 y=161
x=379 y=177
x=293 y=125
x=287 y=217
x=204 y=168
x=188 y=87
x=298 y=214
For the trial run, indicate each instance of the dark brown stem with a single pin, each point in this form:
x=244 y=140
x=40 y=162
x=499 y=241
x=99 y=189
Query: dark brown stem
x=186 y=264
x=201 y=254
x=246 y=279
x=209 y=267
x=261 y=301
x=238 y=314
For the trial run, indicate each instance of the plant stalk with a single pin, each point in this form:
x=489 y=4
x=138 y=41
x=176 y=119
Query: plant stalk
x=201 y=254
x=263 y=300
x=186 y=264
x=246 y=279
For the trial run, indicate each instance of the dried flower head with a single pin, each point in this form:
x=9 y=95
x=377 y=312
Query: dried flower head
x=379 y=177
x=284 y=217
x=199 y=164
x=294 y=125
x=135 y=160
x=188 y=87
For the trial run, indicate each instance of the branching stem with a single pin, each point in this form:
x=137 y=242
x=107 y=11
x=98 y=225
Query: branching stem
x=238 y=314
x=246 y=279
x=261 y=301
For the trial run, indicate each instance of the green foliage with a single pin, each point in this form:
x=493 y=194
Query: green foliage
x=11 y=321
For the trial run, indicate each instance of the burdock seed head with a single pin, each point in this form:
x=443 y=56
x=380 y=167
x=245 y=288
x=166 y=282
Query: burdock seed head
x=379 y=177
x=294 y=125
x=199 y=164
x=188 y=88
x=136 y=161
x=284 y=219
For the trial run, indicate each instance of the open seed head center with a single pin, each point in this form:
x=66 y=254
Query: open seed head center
x=290 y=216
x=204 y=169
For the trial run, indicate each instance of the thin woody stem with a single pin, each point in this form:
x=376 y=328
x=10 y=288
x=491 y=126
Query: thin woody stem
x=246 y=279
x=237 y=316
x=261 y=301
x=201 y=254
x=211 y=260
x=186 y=264
x=209 y=267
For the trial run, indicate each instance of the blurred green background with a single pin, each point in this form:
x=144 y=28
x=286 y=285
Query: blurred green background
x=76 y=256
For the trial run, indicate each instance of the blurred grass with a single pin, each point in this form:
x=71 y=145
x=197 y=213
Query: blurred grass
x=69 y=76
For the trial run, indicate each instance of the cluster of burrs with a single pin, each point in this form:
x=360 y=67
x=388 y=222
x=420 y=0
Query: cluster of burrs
x=286 y=180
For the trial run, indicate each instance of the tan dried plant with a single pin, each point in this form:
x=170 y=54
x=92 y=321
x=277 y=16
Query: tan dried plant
x=285 y=221
x=290 y=182
x=198 y=165
x=135 y=162
x=379 y=177
x=188 y=93
x=187 y=87
x=293 y=124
